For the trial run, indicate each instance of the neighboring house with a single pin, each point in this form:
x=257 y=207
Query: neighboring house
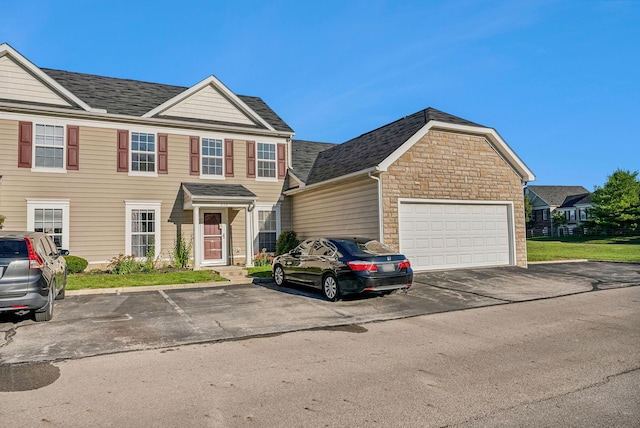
x=573 y=201
x=113 y=166
x=444 y=191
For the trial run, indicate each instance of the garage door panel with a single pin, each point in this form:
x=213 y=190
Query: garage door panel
x=441 y=236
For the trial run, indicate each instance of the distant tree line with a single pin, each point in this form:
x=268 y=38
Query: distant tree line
x=616 y=205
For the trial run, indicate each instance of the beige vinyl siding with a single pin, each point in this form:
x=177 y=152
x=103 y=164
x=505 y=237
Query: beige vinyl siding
x=347 y=208
x=97 y=193
x=208 y=104
x=17 y=84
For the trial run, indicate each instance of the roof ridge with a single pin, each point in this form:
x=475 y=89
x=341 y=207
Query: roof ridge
x=45 y=69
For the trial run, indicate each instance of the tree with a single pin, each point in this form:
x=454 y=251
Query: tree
x=528 y=209
x=616 y=205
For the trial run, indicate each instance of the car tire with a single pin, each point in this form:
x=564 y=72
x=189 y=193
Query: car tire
x=61 y=294
x=330 y=287
x=278 y=276
x=46 y=313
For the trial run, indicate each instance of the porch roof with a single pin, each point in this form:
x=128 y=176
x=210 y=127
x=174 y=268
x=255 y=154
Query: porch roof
x=215 y=194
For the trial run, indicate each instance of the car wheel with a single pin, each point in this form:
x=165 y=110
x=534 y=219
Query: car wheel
x=330 y=288
x=278 y=276
x=46 y=313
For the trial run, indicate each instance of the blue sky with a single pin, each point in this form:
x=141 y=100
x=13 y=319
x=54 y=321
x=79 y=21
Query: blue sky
x=559 y=80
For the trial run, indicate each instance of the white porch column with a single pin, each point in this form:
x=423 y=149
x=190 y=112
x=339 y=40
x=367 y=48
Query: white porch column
x=249 y=235
x=196 y=238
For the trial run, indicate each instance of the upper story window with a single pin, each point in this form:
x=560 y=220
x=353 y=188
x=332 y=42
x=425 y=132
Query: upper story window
x=49 y=146
x=545 y=215
x=211 y=157
x=143 y=152
x=266 y=160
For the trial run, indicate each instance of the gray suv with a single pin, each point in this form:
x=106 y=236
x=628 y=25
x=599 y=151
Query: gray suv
x=33 y=274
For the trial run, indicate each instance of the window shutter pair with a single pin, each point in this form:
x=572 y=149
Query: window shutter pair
x=281 y=159
x=194 y=156
x=123 y=152
x=25 y=144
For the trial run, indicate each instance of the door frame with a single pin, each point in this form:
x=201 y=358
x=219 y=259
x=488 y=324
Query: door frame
x=224 y=261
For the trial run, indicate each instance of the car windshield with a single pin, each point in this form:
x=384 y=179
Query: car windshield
x=369 y=248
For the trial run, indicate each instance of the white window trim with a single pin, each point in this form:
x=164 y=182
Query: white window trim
x=63 y=204
x=142 y=205
x=256 y=221
x=271 y=179
x=211 y=176
x=35 y=168
x=133 y=173
x=545 y=215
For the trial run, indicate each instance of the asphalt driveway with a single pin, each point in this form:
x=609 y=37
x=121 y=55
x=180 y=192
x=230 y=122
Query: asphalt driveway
x=95 y=324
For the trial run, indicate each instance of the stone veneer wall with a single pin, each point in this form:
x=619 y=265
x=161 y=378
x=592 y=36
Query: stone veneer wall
x=445 y=165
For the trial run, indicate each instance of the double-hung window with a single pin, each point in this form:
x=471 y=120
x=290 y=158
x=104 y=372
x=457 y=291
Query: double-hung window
x=143 y=228
x=211 y=157
x=266 y=160
x=267 y=231
x=50 y=217
x=49 y=146
x=143 y=152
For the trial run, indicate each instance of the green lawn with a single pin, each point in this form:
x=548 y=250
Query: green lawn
x=626 y=249
x=88 y=280
x=260 y=271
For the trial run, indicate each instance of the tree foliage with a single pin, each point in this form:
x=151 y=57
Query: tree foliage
x=558 y=219
x=616 y=205
x=528 y=209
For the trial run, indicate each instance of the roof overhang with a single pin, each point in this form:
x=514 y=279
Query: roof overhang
x=217 y=195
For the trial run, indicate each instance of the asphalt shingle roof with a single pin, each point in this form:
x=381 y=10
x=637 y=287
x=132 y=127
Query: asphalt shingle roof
x=135 y=98
x=559 y=195
x=304 y=154
x=218 y=190
x=370 y=149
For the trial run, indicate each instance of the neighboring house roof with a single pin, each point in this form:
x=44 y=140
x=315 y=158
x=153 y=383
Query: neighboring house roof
x=304 y=154
x=573 y=200
x=556 y=196
x=136 y=98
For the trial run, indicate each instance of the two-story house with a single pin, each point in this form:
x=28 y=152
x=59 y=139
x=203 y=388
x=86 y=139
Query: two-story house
x=572 y=201
x=112 y=166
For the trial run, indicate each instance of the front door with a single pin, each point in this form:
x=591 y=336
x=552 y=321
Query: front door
x=213 y=237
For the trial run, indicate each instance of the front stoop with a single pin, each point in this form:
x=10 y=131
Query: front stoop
x=235 y=274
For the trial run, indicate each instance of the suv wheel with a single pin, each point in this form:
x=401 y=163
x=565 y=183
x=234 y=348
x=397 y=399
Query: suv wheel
x=46 y=313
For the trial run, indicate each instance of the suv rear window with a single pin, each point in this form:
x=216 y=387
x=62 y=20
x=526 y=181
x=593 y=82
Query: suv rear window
x=13 y=248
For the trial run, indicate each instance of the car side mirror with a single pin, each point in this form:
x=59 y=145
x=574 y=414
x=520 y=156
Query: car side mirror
x=64 y=252
x=294 y=253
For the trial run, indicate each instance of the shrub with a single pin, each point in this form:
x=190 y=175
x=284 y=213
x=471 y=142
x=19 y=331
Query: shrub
x=122 y=264
x=181 y=251
x=76 y=264
x=287 y=241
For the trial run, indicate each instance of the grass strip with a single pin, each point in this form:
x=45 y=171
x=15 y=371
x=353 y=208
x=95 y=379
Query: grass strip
x=91 y=280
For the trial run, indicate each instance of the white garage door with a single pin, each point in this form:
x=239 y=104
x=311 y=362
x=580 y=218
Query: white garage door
x=444 y=236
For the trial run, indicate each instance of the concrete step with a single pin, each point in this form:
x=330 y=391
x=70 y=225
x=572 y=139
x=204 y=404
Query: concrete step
x=231 y=271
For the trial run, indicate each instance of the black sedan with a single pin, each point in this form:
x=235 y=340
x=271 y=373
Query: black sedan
x=340 y=266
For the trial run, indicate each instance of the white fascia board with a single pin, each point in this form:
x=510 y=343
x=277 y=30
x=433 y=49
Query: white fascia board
x=295 y=177
x=331 y=181
x=211 y=80
x=5 y=49
x=501 y=146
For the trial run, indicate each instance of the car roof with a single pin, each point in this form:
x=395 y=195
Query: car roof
x=19 y=234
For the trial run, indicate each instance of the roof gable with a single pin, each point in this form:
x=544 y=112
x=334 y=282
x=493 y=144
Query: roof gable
x=556 y=196
x=23 y=82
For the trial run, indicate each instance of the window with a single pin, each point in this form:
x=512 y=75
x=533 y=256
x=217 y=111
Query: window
x=143 y=152
x=266 y=160
x=583 y=214
x=267 y=231
x=572 y=215
x=143 y=228
x=50 y=217
x=49 y=146
x=211 y=157
x=545 y=215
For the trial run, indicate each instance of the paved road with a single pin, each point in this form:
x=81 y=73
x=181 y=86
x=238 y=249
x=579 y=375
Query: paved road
x=89 y=325
x=570 y=361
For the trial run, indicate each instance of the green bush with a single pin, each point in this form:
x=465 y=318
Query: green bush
x=287 y=241
x=76 y=264
x=181 y=251
x=121 y=265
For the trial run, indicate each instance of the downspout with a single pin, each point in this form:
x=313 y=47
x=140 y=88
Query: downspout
x=380 y=224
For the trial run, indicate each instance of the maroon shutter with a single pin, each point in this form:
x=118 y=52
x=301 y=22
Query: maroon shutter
x=25 y=137
x=282 y=160
x=73 y=147
x=163 y=154
x=251 y=159
x=228 y=158
x=123 y=151
x=194 y=155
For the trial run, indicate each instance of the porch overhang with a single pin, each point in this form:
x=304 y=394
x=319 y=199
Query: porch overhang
x=217 y=195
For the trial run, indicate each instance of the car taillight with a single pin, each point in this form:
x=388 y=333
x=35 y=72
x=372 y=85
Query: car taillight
x=405 y=264
x=360 y=266
x=35 y=262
